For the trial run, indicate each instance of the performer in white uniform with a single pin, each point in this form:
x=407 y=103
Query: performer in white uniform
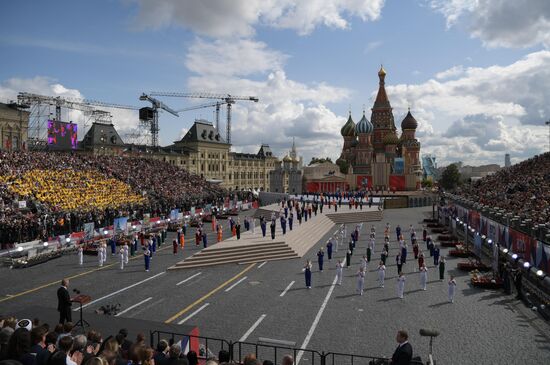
x=423 y=277
x=452 y=287
x=339 y=269
x=100 y=254
x=361 y=280
x=121 y=254
x=400 y=285
x=80 y=255
x=381 y=274
x=126 y=253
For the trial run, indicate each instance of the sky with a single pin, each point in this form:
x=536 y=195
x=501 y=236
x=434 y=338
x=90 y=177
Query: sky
x=475 y=73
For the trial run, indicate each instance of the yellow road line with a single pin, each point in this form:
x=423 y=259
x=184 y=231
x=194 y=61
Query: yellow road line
x=206 y=296
x=57 y=282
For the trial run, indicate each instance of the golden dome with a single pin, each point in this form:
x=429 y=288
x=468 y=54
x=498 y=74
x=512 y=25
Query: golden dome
x=287 y=159
x=382 y=72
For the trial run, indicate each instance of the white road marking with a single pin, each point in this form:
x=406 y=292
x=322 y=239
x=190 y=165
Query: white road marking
x=237 y=283
x=286 y=289
x=251 y=329
x=133 y=306
x=262 y=264
x=316 y=321
x=120 y=291
x=189 y=278
x=194 y=313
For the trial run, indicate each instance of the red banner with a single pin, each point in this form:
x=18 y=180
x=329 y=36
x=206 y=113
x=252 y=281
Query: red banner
x=363 y=181
x=523 y=245
x=474 y=219
x=397 y=182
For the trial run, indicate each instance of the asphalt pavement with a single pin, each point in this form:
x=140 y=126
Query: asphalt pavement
x=270 y=300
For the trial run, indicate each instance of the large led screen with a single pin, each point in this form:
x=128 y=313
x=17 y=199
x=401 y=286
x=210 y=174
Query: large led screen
x=62 y=135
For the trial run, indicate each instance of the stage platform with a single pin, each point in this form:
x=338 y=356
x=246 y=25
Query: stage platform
x=253 y=247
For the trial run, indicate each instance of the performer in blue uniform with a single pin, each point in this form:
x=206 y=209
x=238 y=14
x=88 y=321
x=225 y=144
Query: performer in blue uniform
x=238 y=229
x=283 y=224
x=290 y=220
x=320 y=258
x=147 y=257
x=205 y=238
x=307 y=270
x=112 y=242
x=436 y=256
x=398 y=231
x=263 y=225
x=329 y=249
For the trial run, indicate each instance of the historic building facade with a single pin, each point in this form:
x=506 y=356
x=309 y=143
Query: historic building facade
x=373 y=153
x=202 y=151
x=287 y=175
x=14 y=126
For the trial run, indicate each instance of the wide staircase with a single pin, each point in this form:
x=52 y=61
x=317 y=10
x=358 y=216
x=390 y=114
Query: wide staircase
x=238 y=254
x=294 y=244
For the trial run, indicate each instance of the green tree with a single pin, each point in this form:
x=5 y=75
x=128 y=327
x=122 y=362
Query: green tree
x=315 y=160
x=427 y=183
x=450 y=178
x=344 y=166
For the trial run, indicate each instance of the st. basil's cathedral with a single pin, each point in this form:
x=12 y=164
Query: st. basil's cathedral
x=375 y=156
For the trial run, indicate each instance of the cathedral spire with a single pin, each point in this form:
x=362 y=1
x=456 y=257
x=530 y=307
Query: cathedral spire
x=382 y=100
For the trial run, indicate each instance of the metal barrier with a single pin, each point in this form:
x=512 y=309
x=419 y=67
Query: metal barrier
x=209 y=347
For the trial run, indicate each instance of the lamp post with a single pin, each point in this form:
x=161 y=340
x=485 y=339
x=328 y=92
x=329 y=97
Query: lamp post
x=548 y=124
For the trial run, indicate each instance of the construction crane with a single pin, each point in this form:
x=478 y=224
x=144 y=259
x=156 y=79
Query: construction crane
x=217 y=104
x=225 y=98
x=37 y=102
x=151 y=115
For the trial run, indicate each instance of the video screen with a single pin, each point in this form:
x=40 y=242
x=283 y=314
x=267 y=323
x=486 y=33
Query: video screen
x=62 y=135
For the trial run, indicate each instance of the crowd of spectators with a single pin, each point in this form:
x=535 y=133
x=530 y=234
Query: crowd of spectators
x=28 y=342
x=522 y=189
x=62 y=191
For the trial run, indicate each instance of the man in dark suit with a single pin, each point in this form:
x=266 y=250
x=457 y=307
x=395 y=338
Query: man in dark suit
x=64 y=302
x=403 y=353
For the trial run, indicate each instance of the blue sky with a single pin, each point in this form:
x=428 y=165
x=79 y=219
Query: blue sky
x=475 y=79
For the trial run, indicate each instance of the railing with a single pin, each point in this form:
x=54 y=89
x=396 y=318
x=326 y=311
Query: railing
x=208 y=347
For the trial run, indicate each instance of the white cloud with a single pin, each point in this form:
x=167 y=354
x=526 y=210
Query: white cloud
x=238 y=58
x=500 y=23
x=481 y=113
x=286 y=108
x=238 y=18
x=450 y=73
x=371 y=46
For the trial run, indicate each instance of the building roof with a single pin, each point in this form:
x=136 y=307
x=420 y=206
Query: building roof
x=203 y=131
x=102 y=134
x=364 y=126
x=265 y=151
x=12 y=108
x=382 y=100
x=391 y=139
x=409 y=122
x=348 y=130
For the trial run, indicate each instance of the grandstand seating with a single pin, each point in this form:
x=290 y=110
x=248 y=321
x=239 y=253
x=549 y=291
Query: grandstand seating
x=522 y=189
x=64 y=190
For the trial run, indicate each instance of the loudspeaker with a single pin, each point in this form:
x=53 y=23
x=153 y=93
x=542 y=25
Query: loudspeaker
x=146 y=113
